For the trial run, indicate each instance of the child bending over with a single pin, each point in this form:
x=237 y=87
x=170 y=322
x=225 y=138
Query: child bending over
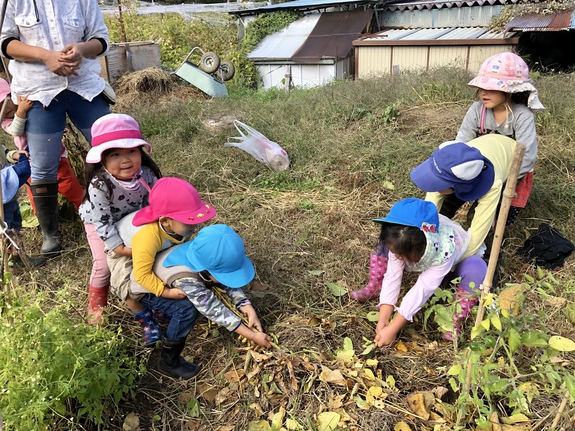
x=419 y=239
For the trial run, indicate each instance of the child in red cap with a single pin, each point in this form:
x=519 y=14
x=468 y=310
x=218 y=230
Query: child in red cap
x=119 y=175
x=14 y=123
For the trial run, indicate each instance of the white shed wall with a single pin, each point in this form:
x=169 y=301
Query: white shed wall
x=302 y=75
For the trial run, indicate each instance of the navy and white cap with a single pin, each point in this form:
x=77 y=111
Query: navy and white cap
x=455 y=165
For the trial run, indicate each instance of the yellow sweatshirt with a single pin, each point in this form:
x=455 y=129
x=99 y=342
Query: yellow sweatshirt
x=499 y=150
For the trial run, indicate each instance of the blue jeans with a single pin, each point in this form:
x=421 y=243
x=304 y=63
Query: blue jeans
x=181 y=312
x=12 y=215
x=45 y=127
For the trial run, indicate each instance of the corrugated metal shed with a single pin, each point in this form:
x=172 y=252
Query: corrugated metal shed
x=314 y=37
x=399 y=50
x=303 y=5
x=536 y=22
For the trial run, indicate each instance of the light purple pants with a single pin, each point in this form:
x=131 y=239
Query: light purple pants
x=472 y=271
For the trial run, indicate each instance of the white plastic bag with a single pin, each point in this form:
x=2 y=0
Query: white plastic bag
x=256 y=144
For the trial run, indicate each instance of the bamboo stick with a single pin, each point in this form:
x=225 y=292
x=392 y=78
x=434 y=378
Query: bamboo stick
x=508 y=195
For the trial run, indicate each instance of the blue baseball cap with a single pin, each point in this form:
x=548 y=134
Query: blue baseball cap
x=219 y=250
x=455 y=165
x=412 y=212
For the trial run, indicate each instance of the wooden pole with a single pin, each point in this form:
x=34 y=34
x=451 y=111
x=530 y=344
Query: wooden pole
x=508 y=195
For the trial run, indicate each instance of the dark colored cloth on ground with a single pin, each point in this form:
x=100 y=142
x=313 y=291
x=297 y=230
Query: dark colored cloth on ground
x=546 y=248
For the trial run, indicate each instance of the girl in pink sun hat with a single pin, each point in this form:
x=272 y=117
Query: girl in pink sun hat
x=507 y=104
x=119 y=174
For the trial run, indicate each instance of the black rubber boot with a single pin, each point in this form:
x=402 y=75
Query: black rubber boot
x=172 y=364
x=33 y=261
x=46 y=200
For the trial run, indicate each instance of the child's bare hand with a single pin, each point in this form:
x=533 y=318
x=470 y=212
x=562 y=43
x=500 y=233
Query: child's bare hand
x=24 y=105
x=174 y=293
x=385 y=336
x=262 y=339
x=253 y=320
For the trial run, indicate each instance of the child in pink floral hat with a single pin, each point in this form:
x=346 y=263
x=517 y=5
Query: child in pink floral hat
x=507 y=105
x=418 y=239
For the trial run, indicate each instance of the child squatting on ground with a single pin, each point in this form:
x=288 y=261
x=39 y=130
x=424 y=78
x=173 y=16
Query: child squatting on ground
x=506 y=106
x=119 y=175
x=175 y=209
x=215 y=258
x=417 y=239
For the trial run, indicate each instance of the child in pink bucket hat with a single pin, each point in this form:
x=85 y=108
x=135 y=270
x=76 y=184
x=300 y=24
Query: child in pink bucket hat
x=507 y=105
x=119 y=174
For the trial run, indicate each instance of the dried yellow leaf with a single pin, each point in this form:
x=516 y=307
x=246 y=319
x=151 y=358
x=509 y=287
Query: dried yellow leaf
x=371 y=362
x=376 y=391
x=332 y=376
x=369 y=374
x=401 y=347
x=401 y=426
x=510 y=300
x=327 y=421
x=420 y=403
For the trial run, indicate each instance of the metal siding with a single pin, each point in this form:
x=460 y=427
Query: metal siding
x=478 y=54
x=412 y=58
x=373 y=61
x=480 y=16
x=452 y=56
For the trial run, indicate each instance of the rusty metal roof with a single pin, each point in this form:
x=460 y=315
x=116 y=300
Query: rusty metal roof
x=314 y=37
x=333 y=35
x=537 y=22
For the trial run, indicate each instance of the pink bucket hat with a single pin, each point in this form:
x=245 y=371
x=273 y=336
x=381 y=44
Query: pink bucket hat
x=4 y=89
x=507 y=72
x=177 y=199
x=114 y=131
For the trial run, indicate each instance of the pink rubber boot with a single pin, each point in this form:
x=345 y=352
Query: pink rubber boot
x=377 y=268
x=466 y=300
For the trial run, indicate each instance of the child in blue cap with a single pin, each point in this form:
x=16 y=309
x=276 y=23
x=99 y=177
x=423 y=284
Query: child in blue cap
x=418 y=239
x=216 y=257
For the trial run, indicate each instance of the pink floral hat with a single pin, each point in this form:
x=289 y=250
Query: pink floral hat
x=509 y=73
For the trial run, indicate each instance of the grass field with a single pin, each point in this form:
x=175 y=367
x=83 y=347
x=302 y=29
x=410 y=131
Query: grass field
x=351 y=146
